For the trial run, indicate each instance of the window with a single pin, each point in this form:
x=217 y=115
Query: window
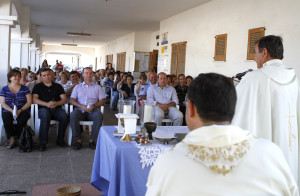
x=178 y=58
x=220 y=47
x=253 y=36
x=121 y=57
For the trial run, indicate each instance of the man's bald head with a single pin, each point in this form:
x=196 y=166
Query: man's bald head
x=153 y=78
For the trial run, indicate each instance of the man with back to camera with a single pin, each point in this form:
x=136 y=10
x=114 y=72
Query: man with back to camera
x=166 y=98
x=269 y=102
x=88 y=97
x=50 y=96
x=217 y=158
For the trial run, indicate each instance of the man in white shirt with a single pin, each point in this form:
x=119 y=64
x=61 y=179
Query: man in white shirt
x=217 y=158
x=166 y=98
x=269 y=101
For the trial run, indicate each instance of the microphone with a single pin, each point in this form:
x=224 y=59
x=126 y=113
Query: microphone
x=240 y=75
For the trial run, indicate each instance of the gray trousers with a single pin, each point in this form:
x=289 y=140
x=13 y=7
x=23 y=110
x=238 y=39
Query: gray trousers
x=77 y=116
x=173 y=113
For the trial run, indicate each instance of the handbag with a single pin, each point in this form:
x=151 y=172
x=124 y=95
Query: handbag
x=25 y=140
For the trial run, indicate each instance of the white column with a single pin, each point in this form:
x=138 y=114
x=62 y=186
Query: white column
x=32 y=59
x=15 y=54
x=6 y=22
x=25 y=55
x=37 y=60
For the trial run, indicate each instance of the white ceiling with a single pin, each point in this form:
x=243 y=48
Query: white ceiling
x=106 y=20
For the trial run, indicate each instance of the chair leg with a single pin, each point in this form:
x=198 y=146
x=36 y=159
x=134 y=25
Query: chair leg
x=69 y=135
x=90 y=129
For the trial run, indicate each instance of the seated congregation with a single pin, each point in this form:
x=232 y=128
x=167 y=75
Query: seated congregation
x=52 y=92
x=222 y=148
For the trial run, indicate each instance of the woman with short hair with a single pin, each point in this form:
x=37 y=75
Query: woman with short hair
x=24 y=74
x=15 y=94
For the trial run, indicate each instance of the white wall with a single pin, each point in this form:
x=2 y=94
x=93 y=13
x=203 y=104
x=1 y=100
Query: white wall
x=153 y=40
x=199 y=26
x=122 y=44
x=142 y=41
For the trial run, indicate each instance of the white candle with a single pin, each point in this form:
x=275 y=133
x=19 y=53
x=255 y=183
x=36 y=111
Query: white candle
x=127 y=109
x=130 y=125
x=147 y=113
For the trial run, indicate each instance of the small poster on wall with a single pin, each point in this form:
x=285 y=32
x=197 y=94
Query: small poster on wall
x=164 y=40
x=162 y=63
x=164 y=50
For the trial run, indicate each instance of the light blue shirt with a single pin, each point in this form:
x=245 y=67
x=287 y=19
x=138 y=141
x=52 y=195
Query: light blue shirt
x=163 y=96
x=144 y=89
x=88 y=94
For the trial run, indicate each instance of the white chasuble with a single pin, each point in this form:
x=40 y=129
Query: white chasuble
x=268 y=105
x=221 y=160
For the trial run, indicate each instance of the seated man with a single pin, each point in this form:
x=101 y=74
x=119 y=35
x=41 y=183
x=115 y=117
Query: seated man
x=87 y=97
x=50 y=96
x=74 y=78
x=217 y=158
x=181 y=90
x=166 y=98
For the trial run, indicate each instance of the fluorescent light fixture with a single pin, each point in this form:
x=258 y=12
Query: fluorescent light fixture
x=78 y=34
x=69 y=44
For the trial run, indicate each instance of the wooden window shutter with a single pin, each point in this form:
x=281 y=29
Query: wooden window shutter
x=253 y=36
x=174 y=58
x=178 y=58
x=121 y=57
x=181 y=58
x=220 y=47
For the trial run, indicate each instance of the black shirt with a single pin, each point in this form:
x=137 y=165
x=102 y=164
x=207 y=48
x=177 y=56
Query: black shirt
x=181 y=94
x=48 y=93
x=129 y=91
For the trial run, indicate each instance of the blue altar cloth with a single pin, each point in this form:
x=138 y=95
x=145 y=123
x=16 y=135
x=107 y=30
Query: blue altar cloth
x=117 y=169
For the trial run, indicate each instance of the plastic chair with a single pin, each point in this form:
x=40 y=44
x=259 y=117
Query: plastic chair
x=30 y=122
x=89 y=123
x=38 y=121
x=168 y=121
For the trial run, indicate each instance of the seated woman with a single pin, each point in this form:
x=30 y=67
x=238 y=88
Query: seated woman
x=24 y=74
x=15 y=94
x=128 y=89
x=31 y=77
x=30 y=85
x=64 y=80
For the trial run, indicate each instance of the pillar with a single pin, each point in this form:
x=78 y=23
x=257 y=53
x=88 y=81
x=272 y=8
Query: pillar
x=6 y=23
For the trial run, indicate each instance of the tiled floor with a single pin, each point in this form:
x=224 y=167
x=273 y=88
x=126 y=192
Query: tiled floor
x=20 y=171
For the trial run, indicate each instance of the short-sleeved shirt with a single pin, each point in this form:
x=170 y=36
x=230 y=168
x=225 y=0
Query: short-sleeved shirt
x=87 y=94
x=48 y=93
x=144 y=89
x=19 y=99
x=65 y=86
x=164 y=96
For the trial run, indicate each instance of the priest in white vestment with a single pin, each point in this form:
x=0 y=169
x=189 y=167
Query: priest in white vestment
x=217 y=158
x=268 y=101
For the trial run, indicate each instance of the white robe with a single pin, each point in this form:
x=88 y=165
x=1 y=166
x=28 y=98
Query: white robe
x=268 y=105
x=221 y=160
